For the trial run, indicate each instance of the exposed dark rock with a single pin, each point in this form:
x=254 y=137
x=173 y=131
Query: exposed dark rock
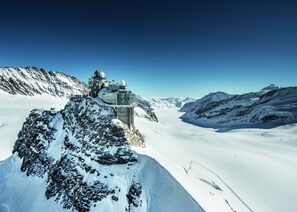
x=85 y=133
x=133 y=195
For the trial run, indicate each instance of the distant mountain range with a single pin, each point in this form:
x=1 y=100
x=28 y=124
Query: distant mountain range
x=167 y=102
x=147 y=105
x=31 y=81
x=270 y=107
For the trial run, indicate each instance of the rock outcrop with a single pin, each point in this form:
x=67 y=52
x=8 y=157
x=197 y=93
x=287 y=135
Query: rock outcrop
x=81 y=159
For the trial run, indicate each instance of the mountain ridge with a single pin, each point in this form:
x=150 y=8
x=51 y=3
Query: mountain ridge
x=264 y=109
x=35 y=81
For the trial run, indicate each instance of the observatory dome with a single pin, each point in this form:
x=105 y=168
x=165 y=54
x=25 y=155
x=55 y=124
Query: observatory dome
x=100 y=74
x=122 y=83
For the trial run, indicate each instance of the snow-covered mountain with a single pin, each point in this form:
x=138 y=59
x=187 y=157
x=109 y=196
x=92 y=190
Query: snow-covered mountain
x=31 y=81
x=14 y=109
x=200 y=103
x=270 y=87
x=270 y=107
x=144 y=109
x=146 y=106
x=167 y=102
x=80 y=159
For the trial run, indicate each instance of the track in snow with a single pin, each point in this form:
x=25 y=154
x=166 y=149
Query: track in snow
x=190 y=167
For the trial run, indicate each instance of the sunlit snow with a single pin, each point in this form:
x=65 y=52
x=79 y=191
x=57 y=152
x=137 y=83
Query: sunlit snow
x=243 y=170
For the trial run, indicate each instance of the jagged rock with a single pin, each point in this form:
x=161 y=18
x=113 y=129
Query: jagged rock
x=30 y=81
x=89 y=133
x=133 y=195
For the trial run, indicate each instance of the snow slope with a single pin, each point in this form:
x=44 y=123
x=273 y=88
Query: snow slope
x=13 y=112
x=239 y=170
x=156 y=183
x=79 y=159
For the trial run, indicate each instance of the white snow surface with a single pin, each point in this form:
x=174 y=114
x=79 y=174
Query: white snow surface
x=14 y=110
x=160 y=191
x=239 y=170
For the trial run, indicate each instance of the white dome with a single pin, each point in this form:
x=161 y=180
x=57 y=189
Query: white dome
x=100 y=74
x=122 y=83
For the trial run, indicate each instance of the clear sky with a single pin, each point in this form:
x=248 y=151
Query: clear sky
x=161 y=48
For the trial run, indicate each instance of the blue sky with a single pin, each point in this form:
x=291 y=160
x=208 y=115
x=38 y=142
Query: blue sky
x=161 y=48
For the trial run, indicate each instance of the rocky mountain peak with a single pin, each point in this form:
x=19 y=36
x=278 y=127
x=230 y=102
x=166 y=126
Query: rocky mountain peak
x=32 y=80
x=81 y=159
x=74 y=143
x=270 y=87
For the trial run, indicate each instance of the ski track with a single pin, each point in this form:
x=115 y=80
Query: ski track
x=190 y=167
x=243 y=161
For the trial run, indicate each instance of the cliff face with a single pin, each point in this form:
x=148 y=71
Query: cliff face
x=31 y=81
x=80 y=159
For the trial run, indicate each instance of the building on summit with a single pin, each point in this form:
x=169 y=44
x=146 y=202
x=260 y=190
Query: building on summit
x=114 y=94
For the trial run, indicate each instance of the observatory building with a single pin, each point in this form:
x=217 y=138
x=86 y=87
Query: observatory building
x=114 y=94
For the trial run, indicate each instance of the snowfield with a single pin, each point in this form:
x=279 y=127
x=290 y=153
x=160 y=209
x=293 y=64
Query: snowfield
x=239 y=170
x=79 y=159
x=14 y=109
x=159 y=189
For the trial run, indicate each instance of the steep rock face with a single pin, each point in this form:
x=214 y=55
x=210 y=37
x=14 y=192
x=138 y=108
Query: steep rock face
x=79 y=159
x=31 y=81
x=263 y=109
